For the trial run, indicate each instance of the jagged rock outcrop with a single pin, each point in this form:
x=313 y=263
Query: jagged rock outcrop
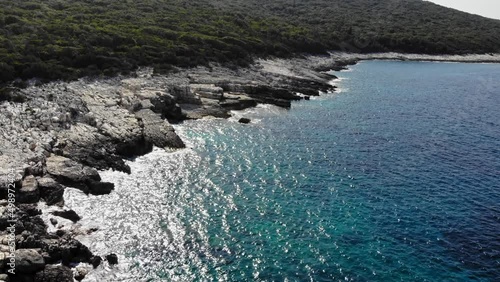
x=160 y=102
x=71 y=173
x=157 y=131
x=85 y=144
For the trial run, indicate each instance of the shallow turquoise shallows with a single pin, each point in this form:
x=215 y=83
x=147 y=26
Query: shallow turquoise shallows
x=396 y=177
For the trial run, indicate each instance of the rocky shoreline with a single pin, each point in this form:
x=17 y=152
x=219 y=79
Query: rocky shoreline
x=61 y=134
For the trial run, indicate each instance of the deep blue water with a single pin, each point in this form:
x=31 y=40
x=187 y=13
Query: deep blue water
x=394 y=178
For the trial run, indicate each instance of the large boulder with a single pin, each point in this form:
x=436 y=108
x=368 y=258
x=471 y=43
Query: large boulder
x=71 y=173
x=55 y=273
x=123 y=129
x=157 y=131
x=29 y=192
x=87 y=145
x=114 y=122
x=28 y=261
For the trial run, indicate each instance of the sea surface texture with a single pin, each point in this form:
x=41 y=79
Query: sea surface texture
x=396 y=177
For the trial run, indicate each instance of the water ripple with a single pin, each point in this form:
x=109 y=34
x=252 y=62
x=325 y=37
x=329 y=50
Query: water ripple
x=396 y=184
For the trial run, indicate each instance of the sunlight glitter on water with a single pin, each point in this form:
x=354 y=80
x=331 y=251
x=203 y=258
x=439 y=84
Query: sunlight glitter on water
x=388 y=180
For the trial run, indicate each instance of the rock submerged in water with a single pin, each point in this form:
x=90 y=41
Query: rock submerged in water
x=95 y=261
x=112 y=259
x=53 y=221
x=244 y=120
x=68 y=214
x=51 y=191
x=100 y=188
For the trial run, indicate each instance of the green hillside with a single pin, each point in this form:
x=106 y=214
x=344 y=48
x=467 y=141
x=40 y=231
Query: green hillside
x=63 y=39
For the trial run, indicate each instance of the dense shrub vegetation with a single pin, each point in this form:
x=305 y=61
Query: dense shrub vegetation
x=63 y=39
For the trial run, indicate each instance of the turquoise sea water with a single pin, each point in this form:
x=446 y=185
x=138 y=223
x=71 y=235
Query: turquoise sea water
x=394 y=178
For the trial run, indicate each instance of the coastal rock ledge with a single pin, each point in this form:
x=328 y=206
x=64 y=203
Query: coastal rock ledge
x=61 y=134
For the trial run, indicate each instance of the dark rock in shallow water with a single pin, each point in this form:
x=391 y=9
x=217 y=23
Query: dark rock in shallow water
x=65 y=249
x=112 y=259
x=100 y=188
x=28 y=261
x=244 y=120
x=68 y=214
x=61 y=232
x=95 y=261
x=55 y=273
x=51 y=191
